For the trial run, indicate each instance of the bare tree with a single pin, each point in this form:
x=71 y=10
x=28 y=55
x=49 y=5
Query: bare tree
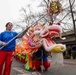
x=64 y=17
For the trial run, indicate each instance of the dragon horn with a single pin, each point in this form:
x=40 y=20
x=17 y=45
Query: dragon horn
x=63 y=38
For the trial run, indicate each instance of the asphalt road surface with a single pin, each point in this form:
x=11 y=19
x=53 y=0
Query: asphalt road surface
x=69 y=68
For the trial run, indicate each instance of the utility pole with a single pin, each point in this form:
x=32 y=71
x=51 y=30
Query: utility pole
x=73 y=19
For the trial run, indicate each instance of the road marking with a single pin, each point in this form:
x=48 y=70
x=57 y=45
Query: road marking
x=20 y=70
x=24 y=72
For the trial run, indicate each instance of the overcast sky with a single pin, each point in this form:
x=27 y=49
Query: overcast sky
x=5 y=13
x=10 y=10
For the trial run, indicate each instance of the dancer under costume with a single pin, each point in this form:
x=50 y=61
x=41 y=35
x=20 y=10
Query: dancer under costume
x=37 y=57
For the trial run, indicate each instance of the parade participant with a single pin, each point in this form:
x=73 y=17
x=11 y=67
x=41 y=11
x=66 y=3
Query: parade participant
x=38 y=59
x=2 y=43
x=7 y=52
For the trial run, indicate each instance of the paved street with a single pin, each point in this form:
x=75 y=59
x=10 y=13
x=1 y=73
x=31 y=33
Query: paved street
x=69 y=68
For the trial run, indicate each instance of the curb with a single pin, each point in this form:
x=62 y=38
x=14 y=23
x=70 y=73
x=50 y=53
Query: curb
x=70 y=61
